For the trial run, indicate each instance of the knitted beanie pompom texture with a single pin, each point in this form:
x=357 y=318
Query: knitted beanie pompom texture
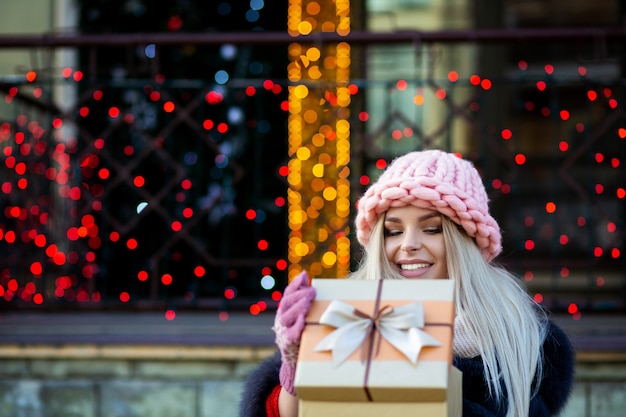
x=435 y=180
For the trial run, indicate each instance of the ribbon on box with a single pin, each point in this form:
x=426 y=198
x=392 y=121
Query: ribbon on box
x=400 y=326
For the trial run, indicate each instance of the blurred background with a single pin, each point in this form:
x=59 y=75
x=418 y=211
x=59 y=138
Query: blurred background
x=168 y=166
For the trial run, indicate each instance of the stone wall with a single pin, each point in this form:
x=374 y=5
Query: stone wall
x=98 y=387
x=170 y=387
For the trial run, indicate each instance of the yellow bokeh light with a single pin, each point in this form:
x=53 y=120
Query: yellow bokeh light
x=301 y=91
x=344 y=27
x=329 y=259
x=312 y=213
x=294 y=49
x=326 y=130
x=316 y=268
x=322 y=235
x=294 y=124
x=328 y=27
x=329 y=193
x=317 y=202
x=304 y=28
x=343 y=207
x=330 y=62
x=302 y=249
x=343 y=190
x=297 y=217
x=337 y=222
x=313 y=53
x=343 y=146
x=343 y=244
x=318 y=140
x=343 y=62
x=324 y=158
x=314 y=72
x=294 y=180
x=310 y=116
x=303 y=153
x=293 y=197
x=312 y=21
x=343 y=126
x=318 y=170
x=313 y=8
x=317 y=185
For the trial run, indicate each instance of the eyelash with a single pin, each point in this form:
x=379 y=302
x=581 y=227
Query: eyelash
x=428 y=230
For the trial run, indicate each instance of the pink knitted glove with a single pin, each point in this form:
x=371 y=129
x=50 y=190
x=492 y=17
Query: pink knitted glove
x=288 y=326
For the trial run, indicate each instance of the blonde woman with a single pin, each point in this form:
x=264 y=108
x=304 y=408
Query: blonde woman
x=427 y=216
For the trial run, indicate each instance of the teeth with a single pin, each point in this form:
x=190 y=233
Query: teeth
x=413 y=267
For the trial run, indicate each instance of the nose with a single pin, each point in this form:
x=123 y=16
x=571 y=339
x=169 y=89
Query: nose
x=411 y=243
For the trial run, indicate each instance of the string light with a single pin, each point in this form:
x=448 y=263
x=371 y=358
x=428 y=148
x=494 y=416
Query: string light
x=319 y=141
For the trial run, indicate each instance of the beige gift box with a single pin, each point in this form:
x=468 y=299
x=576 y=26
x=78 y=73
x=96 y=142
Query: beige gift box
x=386 y=370
x=451 y=407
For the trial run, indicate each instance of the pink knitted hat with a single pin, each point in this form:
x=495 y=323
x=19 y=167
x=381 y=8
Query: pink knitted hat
x=435 y=180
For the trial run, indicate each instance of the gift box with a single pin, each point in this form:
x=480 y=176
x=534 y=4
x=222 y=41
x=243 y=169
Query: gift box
x=451 y=407
x=378 y=342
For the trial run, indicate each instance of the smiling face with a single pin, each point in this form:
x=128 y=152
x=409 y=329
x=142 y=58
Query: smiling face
x=414 y=242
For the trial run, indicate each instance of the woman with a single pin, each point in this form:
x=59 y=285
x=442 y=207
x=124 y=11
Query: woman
x=427 y=216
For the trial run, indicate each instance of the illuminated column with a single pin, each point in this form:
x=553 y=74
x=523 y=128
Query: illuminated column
x=319 y=141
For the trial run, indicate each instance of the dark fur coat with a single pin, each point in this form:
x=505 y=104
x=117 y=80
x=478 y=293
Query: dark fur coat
x=553 y=392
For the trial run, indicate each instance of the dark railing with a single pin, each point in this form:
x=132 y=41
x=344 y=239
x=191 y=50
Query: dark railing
x=497 y=35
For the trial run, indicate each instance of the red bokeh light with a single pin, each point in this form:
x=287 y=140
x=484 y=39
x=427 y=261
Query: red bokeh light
x=280 y=201
x=139 y=181
x=142 y=276
x=229 y=293
x=255 y=309
x=36 y=268
x=169 y=106
x=167 y=279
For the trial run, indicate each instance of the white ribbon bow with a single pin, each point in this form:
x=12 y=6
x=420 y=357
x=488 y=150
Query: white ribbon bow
x=401 y=326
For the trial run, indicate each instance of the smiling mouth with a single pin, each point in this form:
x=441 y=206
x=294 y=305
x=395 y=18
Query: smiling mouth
x=413 y=267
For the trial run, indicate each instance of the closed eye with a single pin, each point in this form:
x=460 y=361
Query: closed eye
x=392 y=232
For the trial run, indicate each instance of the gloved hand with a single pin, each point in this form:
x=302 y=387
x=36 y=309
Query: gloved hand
x=288 y=326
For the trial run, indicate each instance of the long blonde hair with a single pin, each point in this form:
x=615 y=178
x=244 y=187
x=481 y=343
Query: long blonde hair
x=494 y=308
